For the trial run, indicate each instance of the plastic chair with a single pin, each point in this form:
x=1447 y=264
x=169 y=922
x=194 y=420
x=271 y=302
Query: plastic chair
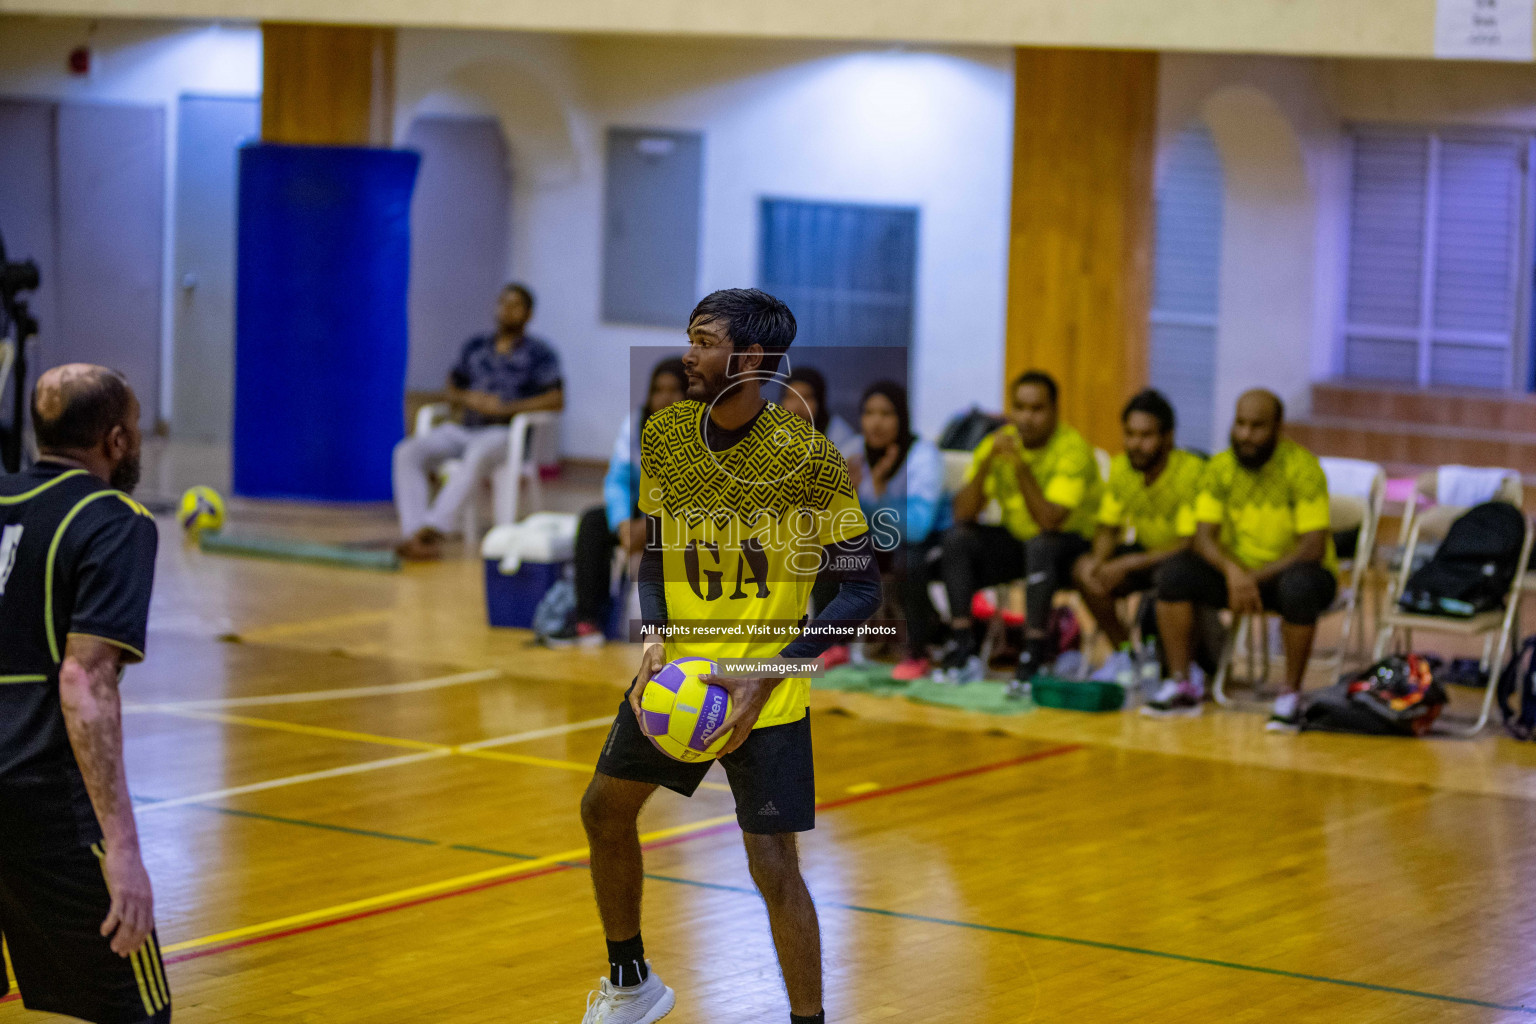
x=7 y=359
x=1357 y=493
x=508 y=480
x=1495 y=627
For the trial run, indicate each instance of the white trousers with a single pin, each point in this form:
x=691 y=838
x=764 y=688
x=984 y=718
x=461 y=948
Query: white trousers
x=479 y=451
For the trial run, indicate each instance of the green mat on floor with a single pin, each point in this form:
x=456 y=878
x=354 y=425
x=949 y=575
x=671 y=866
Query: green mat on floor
x=985 y=696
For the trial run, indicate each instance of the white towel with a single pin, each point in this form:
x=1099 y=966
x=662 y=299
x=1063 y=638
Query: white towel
x=1352 y=478
x=1469 y=485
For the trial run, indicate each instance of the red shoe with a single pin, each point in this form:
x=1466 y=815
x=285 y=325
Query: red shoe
x=835 y=656
x=908 y=669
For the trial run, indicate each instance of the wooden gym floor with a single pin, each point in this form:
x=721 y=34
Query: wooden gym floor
x=359 y=804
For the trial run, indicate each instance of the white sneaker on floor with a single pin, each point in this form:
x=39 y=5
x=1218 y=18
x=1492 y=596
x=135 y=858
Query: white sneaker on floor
x=1119 y=667
x=1286 y=714
x=647 y=1002
x=1176 y=699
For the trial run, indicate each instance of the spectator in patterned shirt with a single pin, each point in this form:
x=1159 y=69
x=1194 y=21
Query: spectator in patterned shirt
x=496 y=377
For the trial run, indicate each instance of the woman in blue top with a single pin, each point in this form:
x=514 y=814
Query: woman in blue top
x=617 y=522
x=900 y=481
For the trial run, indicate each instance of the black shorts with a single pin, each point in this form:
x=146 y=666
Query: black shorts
x=771 y=774
x=51 y=908
x=1138 y=582
x=1300 y=594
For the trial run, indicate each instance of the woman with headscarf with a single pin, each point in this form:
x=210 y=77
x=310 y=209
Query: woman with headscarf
x=805 y=395
x=900 y=481
x=617 y=522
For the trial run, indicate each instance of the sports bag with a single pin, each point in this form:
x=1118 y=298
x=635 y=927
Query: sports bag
x=1472 y=568
x=1397 y=696
x=1519 y=680
x=965 y=431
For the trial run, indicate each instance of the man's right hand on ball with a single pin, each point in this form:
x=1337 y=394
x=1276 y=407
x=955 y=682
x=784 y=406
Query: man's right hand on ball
x=652 y=659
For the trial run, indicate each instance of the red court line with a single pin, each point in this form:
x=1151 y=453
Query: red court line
x=906 y=787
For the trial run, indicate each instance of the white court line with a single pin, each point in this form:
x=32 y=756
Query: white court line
x=310 y=696
x=368 y=766
x=538 y=734
x=291 y=780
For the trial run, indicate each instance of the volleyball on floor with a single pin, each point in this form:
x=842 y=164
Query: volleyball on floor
x=678 y=709
x=201 y=509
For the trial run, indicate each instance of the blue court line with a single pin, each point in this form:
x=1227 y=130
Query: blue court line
x=1068 y=940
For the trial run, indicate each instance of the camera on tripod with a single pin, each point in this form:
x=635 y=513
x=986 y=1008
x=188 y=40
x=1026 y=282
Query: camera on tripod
x=17 y=325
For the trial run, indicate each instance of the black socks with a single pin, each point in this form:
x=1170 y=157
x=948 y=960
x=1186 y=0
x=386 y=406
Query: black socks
x=820 y=1018
x=626 y=962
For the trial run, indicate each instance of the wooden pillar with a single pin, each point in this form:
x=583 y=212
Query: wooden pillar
x=327 y=85
x=1079 y=269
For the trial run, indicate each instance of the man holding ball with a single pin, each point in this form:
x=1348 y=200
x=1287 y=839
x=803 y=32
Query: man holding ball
x=747 y=506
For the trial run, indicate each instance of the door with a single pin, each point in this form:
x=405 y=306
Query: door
x=210 y=131
x=651 y=211
x=459 y=239
x=29 y=175
x=111 y=210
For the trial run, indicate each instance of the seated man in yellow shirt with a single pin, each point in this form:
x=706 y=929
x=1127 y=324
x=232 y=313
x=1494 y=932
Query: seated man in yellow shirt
x=1261 y=543
x=1147 y=517
x=1044 y=478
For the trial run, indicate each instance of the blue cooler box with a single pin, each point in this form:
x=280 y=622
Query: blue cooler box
x=522 y=561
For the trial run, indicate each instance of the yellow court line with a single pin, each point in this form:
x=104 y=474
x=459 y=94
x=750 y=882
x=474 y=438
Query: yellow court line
x=387 y=741
x=282 y=629
x=340 y=693
x=295 y=727
x=431 y=888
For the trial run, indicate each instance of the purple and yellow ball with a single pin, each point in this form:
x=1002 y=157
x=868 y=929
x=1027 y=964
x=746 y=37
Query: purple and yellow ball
x=678 y=709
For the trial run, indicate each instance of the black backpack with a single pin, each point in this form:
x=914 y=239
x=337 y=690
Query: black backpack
x=1473 y=567
x=965 y=431
x=1519 y=677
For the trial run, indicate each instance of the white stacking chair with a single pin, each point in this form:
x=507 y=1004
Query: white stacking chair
x=7 y=360
x=1496 y=628
x=1357 y=493
x=507 y=484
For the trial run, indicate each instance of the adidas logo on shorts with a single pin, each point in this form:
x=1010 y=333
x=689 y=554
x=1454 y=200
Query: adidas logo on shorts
x=768 y=809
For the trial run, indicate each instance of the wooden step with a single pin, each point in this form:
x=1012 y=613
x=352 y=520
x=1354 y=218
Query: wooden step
x=1410 y=443
x=1465 y=409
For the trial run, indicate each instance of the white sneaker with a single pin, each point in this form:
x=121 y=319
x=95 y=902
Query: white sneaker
x=1177 y=698
x=1119 y=667
x=1286 y=715
x=647 y=1002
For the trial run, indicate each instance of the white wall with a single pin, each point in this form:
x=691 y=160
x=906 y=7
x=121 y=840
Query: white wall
x=1285 y=170
x=924 y=128
x=139 y=62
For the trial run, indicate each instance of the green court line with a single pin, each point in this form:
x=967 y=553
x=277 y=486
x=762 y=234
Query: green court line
x=1117 y=948
x=1068 y=940
x=494 y=853
x=235 y=813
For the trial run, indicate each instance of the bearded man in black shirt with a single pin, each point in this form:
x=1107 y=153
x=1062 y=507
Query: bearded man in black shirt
x=77 y=562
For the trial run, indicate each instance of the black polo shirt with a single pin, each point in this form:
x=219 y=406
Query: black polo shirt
x=76 y=557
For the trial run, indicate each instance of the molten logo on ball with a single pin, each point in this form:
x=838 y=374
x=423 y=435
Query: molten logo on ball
x=678 y=710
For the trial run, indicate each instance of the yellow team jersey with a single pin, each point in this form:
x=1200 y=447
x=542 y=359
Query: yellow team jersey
x=1261 y=514
x=742 y=531
x=1066 y=471
x=1157 y=517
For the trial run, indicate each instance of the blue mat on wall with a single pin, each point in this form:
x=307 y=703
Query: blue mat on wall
x=320 y=337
